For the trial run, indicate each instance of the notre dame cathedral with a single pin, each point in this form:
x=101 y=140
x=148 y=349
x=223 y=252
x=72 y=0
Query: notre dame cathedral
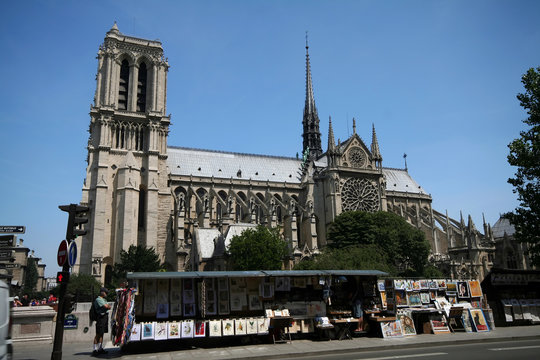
x=188 y=203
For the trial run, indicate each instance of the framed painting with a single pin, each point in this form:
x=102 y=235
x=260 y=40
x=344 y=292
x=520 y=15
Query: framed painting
x=236 y=301
x=383 y=299
x=463 y=289
x=251 y=326
x=188 y=328
x=416 y=285
x=160 y=332
x=475 y=288
x=254 y=302
x=401 y=298
x=214 y=328
x=224 y=307
x=439 y=326
x=452 y=300
x=240 y=327
x=424 y=297
x=432 y=294
x=150 y=303
x=189 y=296
x=409 y=285
x=189 y=310
x=413 y=299
x=433 y=285
x=451 y=288
x=263 y=324
x=162 y=311
x=380 y=285
x=135 y=334
x=466 y=321
x=147 y=331
x=407 y=325
x=399 y=284
x=424 y=285
x=283 y=283
x=176 y=309
x=441 y=284
x=173 y=331
x=228 y=327
x=478 y=320
x=391 y=329
x=200 y=328
x=163 y=291
x=267 y=290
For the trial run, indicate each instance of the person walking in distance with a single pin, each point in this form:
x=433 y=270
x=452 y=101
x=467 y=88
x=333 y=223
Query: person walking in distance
x=102 y=321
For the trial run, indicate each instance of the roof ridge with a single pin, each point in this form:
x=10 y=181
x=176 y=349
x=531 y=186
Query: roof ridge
x=233 y=152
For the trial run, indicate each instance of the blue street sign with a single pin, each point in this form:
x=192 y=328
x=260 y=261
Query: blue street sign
x=72 y=253
x=71 y=322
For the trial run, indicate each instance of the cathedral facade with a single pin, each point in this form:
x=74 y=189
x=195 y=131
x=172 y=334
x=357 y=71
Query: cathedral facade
x=188 y=203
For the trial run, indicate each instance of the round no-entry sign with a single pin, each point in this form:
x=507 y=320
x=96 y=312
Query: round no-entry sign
x=62 y=253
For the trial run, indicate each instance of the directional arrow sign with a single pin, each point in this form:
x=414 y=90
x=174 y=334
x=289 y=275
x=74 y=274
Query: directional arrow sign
x=11 y=229
x=72 y=253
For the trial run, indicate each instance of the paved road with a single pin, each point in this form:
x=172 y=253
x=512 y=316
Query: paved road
x=503 y=350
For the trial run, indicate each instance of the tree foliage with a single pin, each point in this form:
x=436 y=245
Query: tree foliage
x=405 y=247
x=136 y=259
x=356 y=257
x=30 y=276
x=525 y=155
x=260 y=248
x=84 y=287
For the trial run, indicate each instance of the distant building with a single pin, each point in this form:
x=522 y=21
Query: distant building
x=509 y=253
x=186 y=202
x=16 y=269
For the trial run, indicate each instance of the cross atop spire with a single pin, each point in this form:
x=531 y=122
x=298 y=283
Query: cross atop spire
x=311 y=134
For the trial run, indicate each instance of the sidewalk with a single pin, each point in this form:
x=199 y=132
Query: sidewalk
x=79 y=350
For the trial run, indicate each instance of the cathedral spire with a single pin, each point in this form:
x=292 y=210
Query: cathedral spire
x=331 y=141
x=375 y=152
x=310 y=122
x=353 y=126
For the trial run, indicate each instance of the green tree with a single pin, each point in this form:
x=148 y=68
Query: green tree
x=525 y=155
x=260 y=248
x=84 y=287
x=405 y=246
x=30 y=276
x=356 y=257
x=136 y=259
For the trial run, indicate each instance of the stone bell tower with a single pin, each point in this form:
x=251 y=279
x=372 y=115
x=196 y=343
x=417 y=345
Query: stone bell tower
x=126 y=177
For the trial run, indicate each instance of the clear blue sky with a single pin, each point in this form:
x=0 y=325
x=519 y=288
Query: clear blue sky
x=437 y=78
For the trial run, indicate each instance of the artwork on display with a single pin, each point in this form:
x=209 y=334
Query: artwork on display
x=237 y=282
x=507 y=307
x=173 y=331
x=452 y=300
x=478 y=320
x=413 y=299
x=442 y=303
x=476 y=304
x=283 y=283
x=416 y=285
x=135 y=334
x=463 y=289
x=299 y=282
x=432 y=294
x=228 y=327
x=451 y=288
x=189 y=296
x=433 y=285
x=380 y=285
x=388 y=284
x=251 y=326
x=424 y=297
x=200 y=328
x=441 y=284
x=214 y=328
x=162 y=311
x=176 y=291
x=269 y=313
x=150 y=303
x=267 y=290
x=160 y=331
x=163 y=291
x=237 y=301
x=439 y=326
x=263 y=324
x=391 y=329
x=176 y=309
x=254 y=302
x=224 y=307
x=210 y=298
x=188 y=328
x=189 y=309
x=400 y=298
x=147 y=332
x=399 y=284
x=409 y=285
x=383 y=299
x=240 y=327
x=466 y=321
x=407 y=324
x=424 y=285
x=475 y=288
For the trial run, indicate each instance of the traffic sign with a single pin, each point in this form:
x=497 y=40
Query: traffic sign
x=62 y=253
x=7 y=240
x=62 y=277
x=6 y=254
x=12 y=229
x=72 y=253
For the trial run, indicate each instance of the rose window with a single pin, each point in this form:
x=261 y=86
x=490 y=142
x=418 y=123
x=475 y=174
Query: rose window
x=357 y=157
x=359 y=194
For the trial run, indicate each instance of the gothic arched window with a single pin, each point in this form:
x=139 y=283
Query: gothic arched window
x=141 y=88
x=123 y=86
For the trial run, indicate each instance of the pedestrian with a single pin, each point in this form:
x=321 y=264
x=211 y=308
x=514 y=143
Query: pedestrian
x=25 y=301
x=102 y=322
x=16 y=302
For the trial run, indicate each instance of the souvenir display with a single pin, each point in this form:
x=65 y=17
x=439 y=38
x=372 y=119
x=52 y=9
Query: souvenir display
x=507 y=308
x=228 y=327
x=424 y=285
x=251 y=326
x=433 y=285
x=123 y=316
x=240 y=327
x=407 y=324
x=263 y=324
x=383 y=299
x=380 y=285
x=237 y=300
x=416 y=285
x=391 y=329
x=401 y=298
x=173 y=330
x=187 y=329
x=160 y=331
x=214 y=328
x=200 y=329
x=267 y=290
x=135 y=333
x=441 y=284
x=210 y=301
x=452 y=300
x=451 y=288
x=424 y=297
x=478 y=320
x=466 y=321
x=463 y=289
x=399 y=284
x=413 y=299
x=439 y=326
x=409 y=285
x=475 y=289
x=254 y=302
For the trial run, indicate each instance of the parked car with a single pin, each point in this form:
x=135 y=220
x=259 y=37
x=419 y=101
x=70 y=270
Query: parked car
x=6 y=346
